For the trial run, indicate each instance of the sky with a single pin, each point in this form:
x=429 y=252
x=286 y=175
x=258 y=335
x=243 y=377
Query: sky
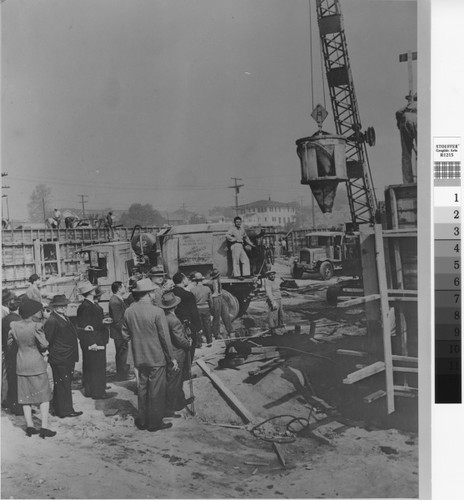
x=165 y=101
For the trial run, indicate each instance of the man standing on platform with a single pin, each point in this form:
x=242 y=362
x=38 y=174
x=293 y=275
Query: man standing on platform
x=237 y=237
x=63 y=353
x=146 y=326
x=116 y=308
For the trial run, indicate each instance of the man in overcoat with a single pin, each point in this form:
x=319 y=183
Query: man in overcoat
x=63 y=355
x=175 y=397
x=93 y=337
x=117 y=307
x=146 y=326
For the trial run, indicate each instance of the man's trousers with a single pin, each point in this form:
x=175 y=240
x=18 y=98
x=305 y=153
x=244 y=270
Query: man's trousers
x=152 y=396
x=122 y=350
x=239 y=256
x=62 y=393
x=220 y=311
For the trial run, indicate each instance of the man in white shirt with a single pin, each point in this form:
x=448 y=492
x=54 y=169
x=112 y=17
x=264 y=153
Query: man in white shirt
x=237 y=237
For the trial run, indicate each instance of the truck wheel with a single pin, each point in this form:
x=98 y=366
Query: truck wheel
x=333 y=292
x=232 y=304
x=297 y=272
x=326 y=270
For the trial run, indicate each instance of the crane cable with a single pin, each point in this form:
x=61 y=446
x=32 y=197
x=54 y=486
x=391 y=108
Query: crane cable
x=311 y=61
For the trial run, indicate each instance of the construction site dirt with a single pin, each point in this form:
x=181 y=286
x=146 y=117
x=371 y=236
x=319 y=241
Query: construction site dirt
x=293 y=429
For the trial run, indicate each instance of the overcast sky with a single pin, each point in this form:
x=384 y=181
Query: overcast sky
x=163 y=101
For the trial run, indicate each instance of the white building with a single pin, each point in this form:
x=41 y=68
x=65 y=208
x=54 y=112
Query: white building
x=267 y=213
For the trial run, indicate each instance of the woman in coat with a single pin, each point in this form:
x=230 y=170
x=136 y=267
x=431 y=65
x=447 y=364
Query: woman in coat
x=93 y=335
x=31 y=365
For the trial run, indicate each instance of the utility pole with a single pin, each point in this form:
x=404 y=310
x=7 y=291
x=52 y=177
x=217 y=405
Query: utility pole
x=4 y=174
x=83 y=201
x=237 y=187
x=409 y=57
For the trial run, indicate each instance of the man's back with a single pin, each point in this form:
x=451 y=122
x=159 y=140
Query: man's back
x=147 y=326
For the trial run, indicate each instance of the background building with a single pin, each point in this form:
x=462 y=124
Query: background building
x=267 y=213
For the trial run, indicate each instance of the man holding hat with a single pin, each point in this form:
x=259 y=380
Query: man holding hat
x=274 y=301
x=175 y=397
x=63 y=355
x=93 y=336
x=157 y=275
x=202 y=296
x=146 y=326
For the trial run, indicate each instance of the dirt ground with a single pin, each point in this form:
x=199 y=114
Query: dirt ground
x=342 y=447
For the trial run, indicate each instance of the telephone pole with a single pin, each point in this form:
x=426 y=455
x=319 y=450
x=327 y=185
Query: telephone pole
x=4 y=174
x=237 y=187
x=83 y=202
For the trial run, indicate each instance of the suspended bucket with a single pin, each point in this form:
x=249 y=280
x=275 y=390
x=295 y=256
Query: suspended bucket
x=323 y=166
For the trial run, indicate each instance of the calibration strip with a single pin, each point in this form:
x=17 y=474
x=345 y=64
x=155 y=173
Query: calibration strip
x=447 y=272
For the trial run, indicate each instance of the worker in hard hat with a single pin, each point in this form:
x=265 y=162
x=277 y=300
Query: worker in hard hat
x=406 y=121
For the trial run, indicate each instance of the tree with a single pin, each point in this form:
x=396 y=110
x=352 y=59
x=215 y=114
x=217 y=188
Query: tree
x=40 y=201
x=143 y=215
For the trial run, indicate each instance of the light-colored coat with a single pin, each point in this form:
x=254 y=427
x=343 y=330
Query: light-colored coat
x=146 y=325
x=29 y=336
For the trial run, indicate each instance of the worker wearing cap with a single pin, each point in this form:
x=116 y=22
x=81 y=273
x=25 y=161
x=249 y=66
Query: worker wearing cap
x=63 y=355
x=157 y=276
x=274 y=301
x=175 y=397
x=146 y=326
x=237 y=237
x=203 y=299
x=406 y=121
x=219 y=308
x=93 y=336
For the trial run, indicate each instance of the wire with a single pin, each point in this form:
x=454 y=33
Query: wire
x=311 y=54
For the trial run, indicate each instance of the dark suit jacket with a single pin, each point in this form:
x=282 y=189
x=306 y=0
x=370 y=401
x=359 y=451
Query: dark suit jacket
x=62 y=339
x=92 y=314
x=117 y=307
x=187 y=309
x=146 y=325
x=180 y=343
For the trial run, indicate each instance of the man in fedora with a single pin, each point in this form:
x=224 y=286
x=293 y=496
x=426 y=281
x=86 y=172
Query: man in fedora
x=202 y=296
x=146 y=326
x=219 y=308
x=157 y=276
x=63 y=354
x=93 y=336
x=175 y=397
x=274 y=301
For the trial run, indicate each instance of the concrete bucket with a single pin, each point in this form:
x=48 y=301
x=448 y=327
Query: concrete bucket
x=323 y=166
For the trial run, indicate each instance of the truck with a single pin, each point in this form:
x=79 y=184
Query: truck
x=327 y=251
x=187 y=248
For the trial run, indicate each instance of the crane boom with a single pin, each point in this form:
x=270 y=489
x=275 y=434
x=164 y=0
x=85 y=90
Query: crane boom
x=361 y=195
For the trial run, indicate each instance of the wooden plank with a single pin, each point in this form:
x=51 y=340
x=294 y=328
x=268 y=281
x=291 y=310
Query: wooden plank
x=405 y=359
x=405 y=388
x=349 y=352
x=406 y=369
x=279 y=453
x=374 y=396
x=384 y=308
x=365 y=372
x=359 y=300
x=230 y=397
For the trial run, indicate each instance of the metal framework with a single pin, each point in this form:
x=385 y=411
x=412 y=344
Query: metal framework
x=361 y=194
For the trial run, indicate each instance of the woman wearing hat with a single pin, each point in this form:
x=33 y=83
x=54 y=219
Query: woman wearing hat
x=63 y=354
x=175 y=397
x=31 y=365
x=93 y=335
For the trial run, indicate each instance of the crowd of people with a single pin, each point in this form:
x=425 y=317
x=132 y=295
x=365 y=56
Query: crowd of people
x=156 y=328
